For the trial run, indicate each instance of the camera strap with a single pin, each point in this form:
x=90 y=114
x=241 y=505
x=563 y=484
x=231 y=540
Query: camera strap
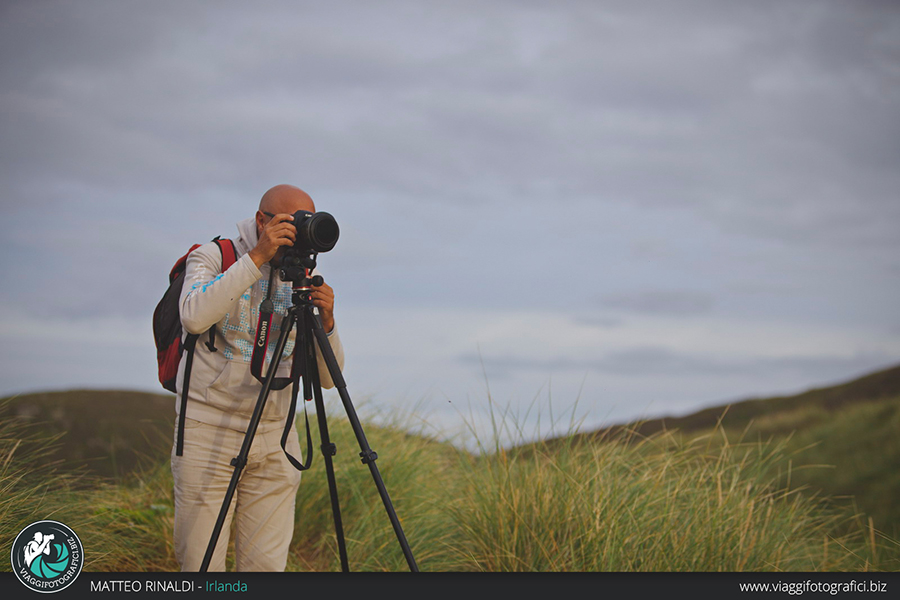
x=261 y=344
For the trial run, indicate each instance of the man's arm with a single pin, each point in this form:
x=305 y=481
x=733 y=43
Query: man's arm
x=322 y=297
x=208 y=294
x=324 y=375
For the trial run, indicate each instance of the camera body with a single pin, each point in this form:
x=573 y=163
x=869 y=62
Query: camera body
x=316 y=232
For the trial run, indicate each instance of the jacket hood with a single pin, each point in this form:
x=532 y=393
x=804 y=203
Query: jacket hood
x=247 y=239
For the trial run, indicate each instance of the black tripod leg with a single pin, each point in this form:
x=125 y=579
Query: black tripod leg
x=241 y=459
x=367 y=454
x=311 y=386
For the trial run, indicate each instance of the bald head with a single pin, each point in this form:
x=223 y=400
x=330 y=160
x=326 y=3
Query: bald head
x=286 y=199
x=281 y=200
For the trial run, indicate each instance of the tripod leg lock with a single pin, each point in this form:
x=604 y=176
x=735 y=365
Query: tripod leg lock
x=368 y=456
x=329 y=449
x=238 y=462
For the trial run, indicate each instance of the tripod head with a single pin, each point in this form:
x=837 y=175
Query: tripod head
x=295 y=265
x=295 y=268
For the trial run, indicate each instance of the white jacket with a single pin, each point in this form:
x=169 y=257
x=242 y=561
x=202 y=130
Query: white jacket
x=222 y=391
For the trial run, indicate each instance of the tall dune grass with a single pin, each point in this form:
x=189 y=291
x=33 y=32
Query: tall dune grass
x=24 y=488
x=626 y=504
x=124 y=526
x=650 y=505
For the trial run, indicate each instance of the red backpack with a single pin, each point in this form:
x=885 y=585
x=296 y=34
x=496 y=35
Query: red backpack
x=167 y=331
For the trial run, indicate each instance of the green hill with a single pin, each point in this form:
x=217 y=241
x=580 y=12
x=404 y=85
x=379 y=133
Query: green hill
x=844 y=440
x=818 y=402
x=671 y=501
x=106 y=433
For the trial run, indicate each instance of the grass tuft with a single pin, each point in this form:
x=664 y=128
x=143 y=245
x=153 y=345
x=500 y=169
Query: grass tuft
x=626 y=502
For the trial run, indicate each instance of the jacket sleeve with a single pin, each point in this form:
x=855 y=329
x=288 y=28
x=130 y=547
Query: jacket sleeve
x=208 y=294
x=335 y=341
x=336 y=346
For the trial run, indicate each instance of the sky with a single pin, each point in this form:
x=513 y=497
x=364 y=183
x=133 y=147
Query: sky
x=586 y=212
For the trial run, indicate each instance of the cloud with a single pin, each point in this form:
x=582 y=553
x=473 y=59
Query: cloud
x=656 y=361
x=597 y=321
x=573 y=186
x=769 y=121
x=661 y=302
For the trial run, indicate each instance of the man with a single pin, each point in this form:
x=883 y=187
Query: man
x=223 y=393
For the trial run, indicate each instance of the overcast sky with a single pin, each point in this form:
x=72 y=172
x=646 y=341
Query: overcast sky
x=650 y=206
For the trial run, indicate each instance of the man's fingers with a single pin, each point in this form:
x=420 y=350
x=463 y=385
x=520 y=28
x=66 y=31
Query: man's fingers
x=288 y=234
x=325 y=309
x=280 y=218
x=320 y=296
x=280 y=225
x=281 y=228
x=282 y=232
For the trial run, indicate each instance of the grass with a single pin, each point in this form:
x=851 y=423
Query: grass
x=648 y=505
x=850 y=453
x=628 y=502
x=130 y=519
x=662 y=502
x=842 y=441
x=860 y=450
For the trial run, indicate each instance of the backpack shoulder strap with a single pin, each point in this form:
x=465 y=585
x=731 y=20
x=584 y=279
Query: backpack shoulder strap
x=189 y=344
x=180 y=264
x=229 y=255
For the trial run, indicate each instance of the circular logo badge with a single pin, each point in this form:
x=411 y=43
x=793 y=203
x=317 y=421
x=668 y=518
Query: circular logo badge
x=47 y=556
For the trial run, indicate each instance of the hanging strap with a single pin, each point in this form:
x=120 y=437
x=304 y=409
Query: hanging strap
x=291 y=416
x=229 y=257
x=261 y=344
x=189 y=343
x=211 y=342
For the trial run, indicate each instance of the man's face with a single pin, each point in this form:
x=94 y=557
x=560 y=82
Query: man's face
x=264 y=217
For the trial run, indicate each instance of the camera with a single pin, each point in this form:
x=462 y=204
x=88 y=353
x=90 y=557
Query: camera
x=316 y=232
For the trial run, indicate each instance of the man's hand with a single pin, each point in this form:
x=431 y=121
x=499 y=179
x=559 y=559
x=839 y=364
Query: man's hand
x=278 y=232
x=323 y=298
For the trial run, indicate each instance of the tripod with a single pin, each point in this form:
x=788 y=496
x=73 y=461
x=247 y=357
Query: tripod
x=309 y=333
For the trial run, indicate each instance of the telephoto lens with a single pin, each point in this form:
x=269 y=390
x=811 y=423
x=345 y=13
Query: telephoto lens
x=316 y=232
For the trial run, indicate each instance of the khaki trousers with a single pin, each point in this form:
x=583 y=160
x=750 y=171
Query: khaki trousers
x=262 y=509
